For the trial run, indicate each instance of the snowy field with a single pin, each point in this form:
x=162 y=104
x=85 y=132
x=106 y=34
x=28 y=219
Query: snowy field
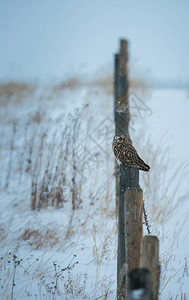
x=58 y=226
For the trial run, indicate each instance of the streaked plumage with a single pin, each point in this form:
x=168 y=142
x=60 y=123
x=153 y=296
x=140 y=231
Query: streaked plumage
x=126 y=154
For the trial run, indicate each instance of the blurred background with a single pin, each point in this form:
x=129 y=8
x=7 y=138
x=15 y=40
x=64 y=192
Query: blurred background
x=50 y=40
x=58 y=218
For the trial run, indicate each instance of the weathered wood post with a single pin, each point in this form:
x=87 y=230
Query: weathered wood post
x=150 y=260
x=130 y=226
x=129 y=203
x=128 y=193
x=121 y=105
x=133 y=226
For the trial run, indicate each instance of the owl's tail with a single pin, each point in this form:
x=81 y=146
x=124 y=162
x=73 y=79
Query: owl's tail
x=145 y=168
x=142 y=165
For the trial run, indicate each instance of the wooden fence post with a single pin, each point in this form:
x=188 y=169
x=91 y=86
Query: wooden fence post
x=121 y=107
x=133 y=226
x=116 y=80
x=128 y=193
x=129 y=198
x=150 y=260
x=130 y=226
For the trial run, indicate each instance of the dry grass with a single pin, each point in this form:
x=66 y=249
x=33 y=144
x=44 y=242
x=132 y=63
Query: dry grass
x=164 y=195
x=102 y=81
x=50 y=184
x=49 y=157
x=69 y=84
x=162 y=199
x=15 y=92
x=48 y=162
x=51 y=279
x=39 y=239
x=100 y=252
x=18 y=92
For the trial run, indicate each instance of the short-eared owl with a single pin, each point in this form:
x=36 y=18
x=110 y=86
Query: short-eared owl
x=126 y=154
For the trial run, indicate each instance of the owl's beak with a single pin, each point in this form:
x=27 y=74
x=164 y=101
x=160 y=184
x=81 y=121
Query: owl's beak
x=116 y=140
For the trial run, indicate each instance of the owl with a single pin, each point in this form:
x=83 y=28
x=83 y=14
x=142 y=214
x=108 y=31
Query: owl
x=126 y=154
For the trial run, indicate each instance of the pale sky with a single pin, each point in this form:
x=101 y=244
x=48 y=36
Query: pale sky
x=53 y=39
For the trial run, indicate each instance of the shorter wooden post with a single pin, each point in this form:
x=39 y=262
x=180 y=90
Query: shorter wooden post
x=132 y=200
x=139 y=285
x=133 y=226
x=150 y=260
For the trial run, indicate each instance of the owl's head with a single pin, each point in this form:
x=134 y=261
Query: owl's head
x=119 y=138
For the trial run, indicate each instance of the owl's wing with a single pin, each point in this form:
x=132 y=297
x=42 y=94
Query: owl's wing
x=129 y=157
x=125 y=153
x=129 y=154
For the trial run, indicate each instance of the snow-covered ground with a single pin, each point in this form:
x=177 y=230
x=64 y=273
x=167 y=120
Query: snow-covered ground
x=55 y=150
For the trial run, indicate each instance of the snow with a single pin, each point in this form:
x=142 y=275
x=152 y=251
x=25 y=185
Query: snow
x=79 y=249
x=137 y=294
